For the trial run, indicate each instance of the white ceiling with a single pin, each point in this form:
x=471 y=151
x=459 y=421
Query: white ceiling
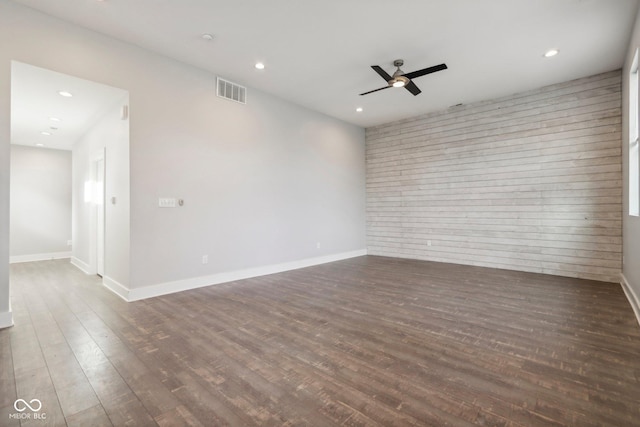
x=318 y=52
x=35 y=99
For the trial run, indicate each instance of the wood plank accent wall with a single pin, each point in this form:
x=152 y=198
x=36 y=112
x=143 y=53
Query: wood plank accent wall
x=529 y=182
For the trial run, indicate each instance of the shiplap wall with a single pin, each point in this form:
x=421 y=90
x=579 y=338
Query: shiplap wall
x=529 y=182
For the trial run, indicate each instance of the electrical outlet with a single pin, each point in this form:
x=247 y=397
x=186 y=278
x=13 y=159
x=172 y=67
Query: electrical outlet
x=317 y=245
x=205 y=259
x=428 y=242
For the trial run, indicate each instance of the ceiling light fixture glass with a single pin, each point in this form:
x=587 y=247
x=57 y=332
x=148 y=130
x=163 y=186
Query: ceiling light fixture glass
x=207 y=36
x=65 y=94
x=551 y=53
x=259 y=65
x=399 y=81
x=359 y=109
x=45 y=133
x=54 y=119
x=39 y=145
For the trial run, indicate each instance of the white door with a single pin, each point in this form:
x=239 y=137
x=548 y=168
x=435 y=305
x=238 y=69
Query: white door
x=99 y=203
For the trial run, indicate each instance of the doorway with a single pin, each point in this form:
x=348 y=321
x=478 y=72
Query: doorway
x=62 y=112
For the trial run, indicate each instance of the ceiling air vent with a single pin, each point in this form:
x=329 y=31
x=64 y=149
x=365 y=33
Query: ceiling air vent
x=232 y=91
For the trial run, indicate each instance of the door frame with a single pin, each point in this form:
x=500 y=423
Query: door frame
x=97 y=221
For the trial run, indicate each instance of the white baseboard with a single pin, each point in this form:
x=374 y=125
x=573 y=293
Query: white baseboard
x=6 y=319
x=81 y=265
x=216 y=279
x=39 y=257
x=631 y=296
x=116 y=287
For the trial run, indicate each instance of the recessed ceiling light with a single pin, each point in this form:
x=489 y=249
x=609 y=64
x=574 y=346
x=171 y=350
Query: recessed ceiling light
x=65 y=94
x=39 y=145
x=551 y=52
x=207 y=36
x=259 y=65
x=359 y=109
x=54 y=119
x=45 y=133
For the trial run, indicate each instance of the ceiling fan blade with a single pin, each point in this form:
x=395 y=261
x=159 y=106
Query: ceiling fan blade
x=411 y=87
x=425 y=71
x=381 y=72
x=375 y=90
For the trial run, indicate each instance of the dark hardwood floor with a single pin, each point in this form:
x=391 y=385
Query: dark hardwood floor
x=369 y=341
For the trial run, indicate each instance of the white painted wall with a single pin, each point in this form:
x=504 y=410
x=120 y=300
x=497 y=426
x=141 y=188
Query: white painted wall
x=109 y=137
x=262 y=183
x=40 y=203
x=630 y=224
x=6 y=318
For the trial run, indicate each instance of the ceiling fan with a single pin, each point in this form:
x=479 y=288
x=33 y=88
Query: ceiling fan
x=402 y=79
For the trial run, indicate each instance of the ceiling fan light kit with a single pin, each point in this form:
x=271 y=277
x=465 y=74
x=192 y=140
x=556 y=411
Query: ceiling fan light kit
x=399 y=81
x=402 y=79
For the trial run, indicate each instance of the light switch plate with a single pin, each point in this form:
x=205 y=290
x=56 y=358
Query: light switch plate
x=167 y=202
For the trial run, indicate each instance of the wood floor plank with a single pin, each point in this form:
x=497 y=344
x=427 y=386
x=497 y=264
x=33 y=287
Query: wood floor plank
x=7 y=378
x=8 y=393
x=91 y=417
x=178 y=416
x=367 y=341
